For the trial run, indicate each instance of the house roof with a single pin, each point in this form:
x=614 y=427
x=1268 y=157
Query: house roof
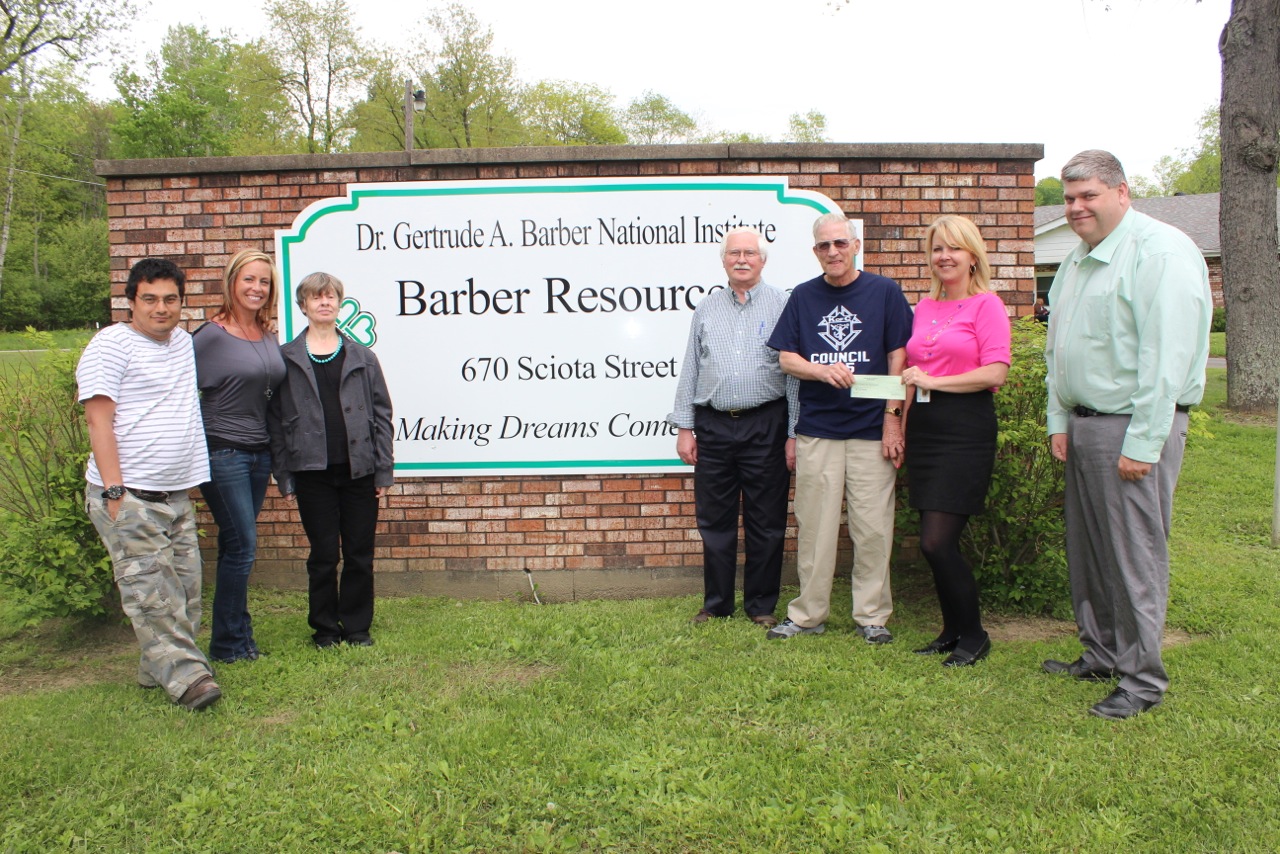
x=1196 y=216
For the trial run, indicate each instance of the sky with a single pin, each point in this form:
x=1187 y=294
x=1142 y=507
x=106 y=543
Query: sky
x=1130 y=76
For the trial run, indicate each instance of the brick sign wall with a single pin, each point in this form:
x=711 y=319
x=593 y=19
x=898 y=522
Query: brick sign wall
x=582 y=536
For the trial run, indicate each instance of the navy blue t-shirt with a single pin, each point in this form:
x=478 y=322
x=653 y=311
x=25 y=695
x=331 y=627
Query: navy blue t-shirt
x=858 y=324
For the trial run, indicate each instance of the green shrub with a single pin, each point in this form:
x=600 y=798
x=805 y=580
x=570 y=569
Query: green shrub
x=50 y=554
x=1219 y=323
x=1017 y=546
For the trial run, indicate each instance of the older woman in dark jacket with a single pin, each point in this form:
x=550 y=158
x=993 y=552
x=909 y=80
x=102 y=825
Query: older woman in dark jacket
x=330 y=429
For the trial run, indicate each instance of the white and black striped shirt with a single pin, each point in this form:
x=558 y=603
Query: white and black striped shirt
x=158 y=429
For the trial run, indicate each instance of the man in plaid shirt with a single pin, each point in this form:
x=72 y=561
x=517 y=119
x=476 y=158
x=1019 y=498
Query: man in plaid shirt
x=735 y=412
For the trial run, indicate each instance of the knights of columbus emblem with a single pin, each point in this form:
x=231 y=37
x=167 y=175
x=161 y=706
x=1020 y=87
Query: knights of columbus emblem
x=838 y=328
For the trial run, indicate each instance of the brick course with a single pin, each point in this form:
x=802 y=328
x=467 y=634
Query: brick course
x=589 y=535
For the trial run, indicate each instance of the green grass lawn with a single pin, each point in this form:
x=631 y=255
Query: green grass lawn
x=1218 y=344
x=619 y=726
x=65 y=338
x=17 y=352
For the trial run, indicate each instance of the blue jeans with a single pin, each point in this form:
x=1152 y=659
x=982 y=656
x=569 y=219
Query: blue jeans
x=235 y=496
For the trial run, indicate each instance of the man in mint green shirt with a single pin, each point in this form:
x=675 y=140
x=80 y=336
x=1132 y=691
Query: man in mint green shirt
x=1127 y=344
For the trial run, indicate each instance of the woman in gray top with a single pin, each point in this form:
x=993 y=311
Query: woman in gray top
x=239 y=369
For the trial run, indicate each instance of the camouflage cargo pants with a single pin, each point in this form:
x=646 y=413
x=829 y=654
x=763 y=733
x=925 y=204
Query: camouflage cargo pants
x=156 y=560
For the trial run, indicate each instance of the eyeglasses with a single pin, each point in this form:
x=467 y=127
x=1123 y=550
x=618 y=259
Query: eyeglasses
x=151 y=300
x=841 y=244
x=749 y=254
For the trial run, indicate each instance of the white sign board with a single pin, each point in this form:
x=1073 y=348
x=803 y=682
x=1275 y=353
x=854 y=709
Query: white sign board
x=536 y=326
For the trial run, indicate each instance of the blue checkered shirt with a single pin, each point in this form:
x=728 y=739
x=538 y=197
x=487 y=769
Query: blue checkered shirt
x=728 y=363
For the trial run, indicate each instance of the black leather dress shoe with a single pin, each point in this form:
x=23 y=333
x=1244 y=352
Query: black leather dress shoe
x=938 y=646
x=1120 y=704
x=1079 y=670
x=964 y=658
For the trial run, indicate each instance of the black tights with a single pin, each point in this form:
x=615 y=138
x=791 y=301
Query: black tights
x=957 y=589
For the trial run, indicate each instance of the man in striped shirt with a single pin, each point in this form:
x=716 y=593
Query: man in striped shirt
x=137 y=381
x=734 y=410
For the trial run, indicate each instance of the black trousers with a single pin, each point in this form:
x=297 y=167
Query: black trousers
x=339 y=515
x=742 y=463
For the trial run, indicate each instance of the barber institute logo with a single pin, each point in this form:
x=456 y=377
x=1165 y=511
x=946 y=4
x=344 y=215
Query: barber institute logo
x=838 y=328
x=357 y=325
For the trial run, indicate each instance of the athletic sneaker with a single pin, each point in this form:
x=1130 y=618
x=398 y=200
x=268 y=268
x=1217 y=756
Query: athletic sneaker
x=787 y=629
x=875 y=634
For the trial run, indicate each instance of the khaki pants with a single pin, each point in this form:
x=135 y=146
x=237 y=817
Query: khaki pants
x=156 y=559
x=826 y=469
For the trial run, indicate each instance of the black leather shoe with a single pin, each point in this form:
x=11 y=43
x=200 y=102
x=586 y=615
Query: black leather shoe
x=938 y=646
x=1079 y=670
x=1120 y=704
x=963 y=658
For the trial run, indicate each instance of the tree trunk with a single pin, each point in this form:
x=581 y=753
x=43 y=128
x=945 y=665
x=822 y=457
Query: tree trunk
x=1250 y=48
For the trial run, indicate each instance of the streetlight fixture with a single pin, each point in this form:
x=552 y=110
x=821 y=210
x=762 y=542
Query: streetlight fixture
x=415 y=101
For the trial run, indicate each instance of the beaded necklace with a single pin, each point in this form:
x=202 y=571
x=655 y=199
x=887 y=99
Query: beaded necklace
x=306 y=342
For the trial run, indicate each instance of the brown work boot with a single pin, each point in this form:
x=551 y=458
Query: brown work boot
x=202 y=694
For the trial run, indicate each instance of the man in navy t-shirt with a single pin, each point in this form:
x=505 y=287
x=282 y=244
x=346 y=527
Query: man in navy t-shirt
x=844 y=323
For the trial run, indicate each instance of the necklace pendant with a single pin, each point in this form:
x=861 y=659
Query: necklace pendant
x=268 y=393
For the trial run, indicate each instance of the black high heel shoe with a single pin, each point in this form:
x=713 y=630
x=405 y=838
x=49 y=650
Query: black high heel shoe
x=938 y=645
x=962 y=658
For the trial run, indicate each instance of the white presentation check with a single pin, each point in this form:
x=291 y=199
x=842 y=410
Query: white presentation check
x=878 y=385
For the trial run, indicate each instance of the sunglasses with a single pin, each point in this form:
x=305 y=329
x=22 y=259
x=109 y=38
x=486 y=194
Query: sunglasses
x=841 y=244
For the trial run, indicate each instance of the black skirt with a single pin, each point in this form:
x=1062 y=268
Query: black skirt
x=951 y=448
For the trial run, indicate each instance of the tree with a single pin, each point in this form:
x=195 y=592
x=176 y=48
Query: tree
x=1250 y=48
x=1201 y=170
x=202 y=96
x=471 y=91
x=652 y=119
x=378 y=120
x=810 y=127
x=1049 y=192
x=68 y=27
x=323 y=67
x=54 y=208
x=556 y=112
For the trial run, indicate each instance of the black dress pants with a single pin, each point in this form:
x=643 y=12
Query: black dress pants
x=339 y=516
x=742 y=463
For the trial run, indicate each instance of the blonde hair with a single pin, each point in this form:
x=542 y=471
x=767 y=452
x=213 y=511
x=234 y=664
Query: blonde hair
x=238 y=262
x=959 y=233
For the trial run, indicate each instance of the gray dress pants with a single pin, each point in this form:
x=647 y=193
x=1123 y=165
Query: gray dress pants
x=1118 y=550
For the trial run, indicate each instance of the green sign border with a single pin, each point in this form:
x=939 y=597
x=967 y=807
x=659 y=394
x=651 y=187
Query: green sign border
x=529 y=186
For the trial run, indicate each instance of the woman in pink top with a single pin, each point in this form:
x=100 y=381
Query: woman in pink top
x=957 y=357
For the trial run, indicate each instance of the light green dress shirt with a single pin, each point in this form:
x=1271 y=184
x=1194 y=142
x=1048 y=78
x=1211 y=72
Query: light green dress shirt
x=1129 y=331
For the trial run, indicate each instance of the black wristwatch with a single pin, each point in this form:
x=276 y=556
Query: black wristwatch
x=113 y=493
x=893 y=410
